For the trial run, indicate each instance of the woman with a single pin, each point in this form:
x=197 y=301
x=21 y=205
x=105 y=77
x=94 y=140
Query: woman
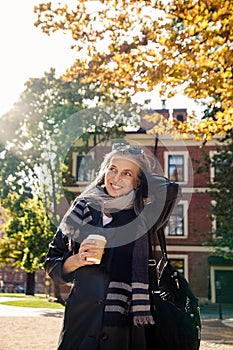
x=108 y=307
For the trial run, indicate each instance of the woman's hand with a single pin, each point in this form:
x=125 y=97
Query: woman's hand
x=87 y=249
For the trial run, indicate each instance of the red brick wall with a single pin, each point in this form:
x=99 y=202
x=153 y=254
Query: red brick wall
x=199 y=274
x=199 y=223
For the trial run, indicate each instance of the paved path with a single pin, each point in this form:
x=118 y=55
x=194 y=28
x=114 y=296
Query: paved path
x=24 y=328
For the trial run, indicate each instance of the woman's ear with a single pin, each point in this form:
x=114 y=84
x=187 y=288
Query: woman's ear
x=137 y=183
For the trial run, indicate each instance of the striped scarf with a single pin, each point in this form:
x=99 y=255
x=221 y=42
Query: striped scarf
x=127 y=300
x=79 y=213
x=75 y=218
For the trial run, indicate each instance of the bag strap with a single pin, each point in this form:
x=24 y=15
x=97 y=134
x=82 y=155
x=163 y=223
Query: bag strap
x=162 y=242
x=153 y=278
x=151 y=244
x=172 y=195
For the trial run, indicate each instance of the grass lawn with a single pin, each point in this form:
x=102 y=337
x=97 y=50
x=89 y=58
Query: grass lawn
x=37 y=301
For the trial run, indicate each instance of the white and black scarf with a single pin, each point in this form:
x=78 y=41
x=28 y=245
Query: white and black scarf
x=127 y=299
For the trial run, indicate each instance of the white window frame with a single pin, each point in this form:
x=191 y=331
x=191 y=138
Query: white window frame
x=185 y=154
x=185 y=211
x=212 y=279
x=185 y=258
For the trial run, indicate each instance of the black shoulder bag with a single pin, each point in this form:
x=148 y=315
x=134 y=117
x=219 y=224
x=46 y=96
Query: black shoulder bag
x=173 y=304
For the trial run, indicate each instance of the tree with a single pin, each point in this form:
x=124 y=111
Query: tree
x=52 y=114
x=221 y=192
x=132 y=46
x=27 y=234
x=39 y=143
x=26 y=217
x=36 y=136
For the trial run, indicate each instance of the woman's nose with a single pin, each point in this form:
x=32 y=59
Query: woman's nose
x=116 y=177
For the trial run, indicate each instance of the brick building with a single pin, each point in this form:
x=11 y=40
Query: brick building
x=190 y=222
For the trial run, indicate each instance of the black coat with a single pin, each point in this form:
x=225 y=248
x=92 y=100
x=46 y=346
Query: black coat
x=85 y=305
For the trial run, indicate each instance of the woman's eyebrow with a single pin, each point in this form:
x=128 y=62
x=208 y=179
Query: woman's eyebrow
x=128 y=170
x=115 y=166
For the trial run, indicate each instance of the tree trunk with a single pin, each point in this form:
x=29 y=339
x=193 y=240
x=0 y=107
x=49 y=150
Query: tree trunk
x=30 y=287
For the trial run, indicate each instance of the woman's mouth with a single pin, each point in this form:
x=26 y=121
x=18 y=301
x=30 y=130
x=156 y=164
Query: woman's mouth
x=116 y=187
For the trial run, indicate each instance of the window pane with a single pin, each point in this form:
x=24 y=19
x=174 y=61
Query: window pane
x=218 y=163
x=180 y=117
x=176 y=168
x=178 y=264
x=176 y=221
x=83 y=171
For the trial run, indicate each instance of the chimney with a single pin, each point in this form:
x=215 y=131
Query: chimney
x=163 y=103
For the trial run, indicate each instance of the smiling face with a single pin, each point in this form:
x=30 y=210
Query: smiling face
x=121 y=176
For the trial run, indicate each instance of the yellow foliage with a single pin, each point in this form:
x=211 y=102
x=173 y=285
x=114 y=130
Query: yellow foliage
x=163 y=40
x=136 y=45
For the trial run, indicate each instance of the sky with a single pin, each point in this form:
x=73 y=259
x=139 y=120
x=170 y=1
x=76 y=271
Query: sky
x=26 y=53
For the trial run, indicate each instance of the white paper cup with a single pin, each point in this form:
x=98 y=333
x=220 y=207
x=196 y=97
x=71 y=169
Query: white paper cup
x=101 y=243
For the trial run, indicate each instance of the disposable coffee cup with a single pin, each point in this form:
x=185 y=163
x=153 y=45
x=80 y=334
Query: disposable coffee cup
x=99 y=249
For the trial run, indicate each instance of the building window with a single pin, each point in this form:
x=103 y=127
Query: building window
x=217 y=162
x=176 y=222
x=180 y=117
x=176 y=168
x=83 y=169
x=178 y=264
x=177 y=225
